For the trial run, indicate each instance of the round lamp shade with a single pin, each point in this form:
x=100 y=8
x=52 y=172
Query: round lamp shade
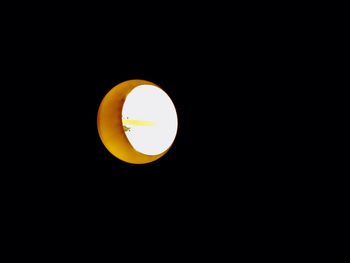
x=137 y=121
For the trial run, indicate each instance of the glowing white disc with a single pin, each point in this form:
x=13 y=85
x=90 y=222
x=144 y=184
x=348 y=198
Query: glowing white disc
x=149 y=119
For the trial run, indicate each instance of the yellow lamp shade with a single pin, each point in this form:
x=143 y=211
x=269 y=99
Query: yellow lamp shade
x=137 y=121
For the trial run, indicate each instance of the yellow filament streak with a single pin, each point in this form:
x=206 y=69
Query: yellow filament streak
x=138 y=122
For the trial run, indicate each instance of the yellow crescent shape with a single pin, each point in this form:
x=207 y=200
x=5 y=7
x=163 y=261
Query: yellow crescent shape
x=110 y=124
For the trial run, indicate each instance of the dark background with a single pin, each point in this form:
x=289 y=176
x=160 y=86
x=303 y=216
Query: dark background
x=226 y=142
x=224 y=79
x=240 y=176
x=230 y=74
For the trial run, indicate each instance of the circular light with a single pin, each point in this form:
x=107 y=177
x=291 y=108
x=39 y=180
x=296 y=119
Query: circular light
x=137 y=121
